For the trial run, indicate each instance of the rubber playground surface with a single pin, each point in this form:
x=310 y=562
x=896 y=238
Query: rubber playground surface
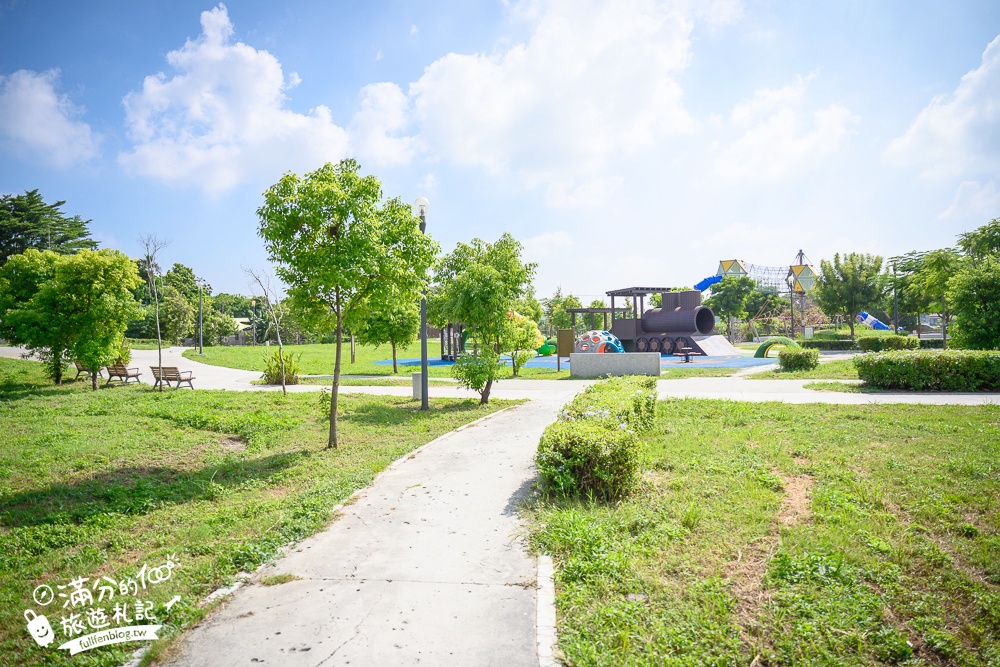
x=666 y=361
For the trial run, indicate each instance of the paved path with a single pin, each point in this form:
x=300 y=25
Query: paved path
x=424 y=568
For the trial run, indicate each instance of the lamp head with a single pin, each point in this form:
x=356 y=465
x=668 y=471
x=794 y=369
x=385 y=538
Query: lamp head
x=422 y=206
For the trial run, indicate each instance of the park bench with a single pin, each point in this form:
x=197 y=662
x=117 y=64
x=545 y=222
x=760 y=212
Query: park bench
x=121 y=372
x=171 y=374
x=80 y=369
x=686 y=352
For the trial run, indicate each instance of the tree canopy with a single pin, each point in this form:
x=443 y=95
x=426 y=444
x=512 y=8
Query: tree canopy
x=26 y=221
x=479 y=284
x=849 y=285
x=337 y=244
x=729 y=298
x=68 y=307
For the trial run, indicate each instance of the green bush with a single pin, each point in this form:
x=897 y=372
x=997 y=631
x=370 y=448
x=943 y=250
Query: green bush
x=272 y=368
x=798 y=360
x=594 y=450
x=883 y=343
x=629 y=400
x=931 y=370
x=589 y=459
x=824 y=344
x=931 y=343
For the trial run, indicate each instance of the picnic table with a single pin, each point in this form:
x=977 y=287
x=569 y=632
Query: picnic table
x=687 y=353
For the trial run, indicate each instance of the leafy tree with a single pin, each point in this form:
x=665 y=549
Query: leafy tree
x=729 y=299
x=395 y=322
x=478 y=285
x=555 y=314
x=338 y=245
x=849 y=285
x=931 y=279
x=982 y=242
x=217 y=326
x=530 y=307
x=234 y=305
x=26 y=221
x=523 y=340
x=974 y=293
x=74 y=306
x=177 y=317
x=184 y=280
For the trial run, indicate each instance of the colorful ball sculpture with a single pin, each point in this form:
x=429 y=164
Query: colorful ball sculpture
x=598 y=341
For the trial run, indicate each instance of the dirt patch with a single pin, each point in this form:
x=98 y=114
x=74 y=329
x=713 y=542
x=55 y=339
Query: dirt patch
x=233 y=444
x=798 y=496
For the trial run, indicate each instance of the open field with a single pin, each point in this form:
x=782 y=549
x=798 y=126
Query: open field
x=97 y=484
x=772 y=534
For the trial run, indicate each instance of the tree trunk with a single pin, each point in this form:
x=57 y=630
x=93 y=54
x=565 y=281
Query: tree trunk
x=394 y=369
x=93 y=379
x=484 y=395
x=332 y=441
x=159 y=344
x=850 y=323
x=944 y=324
x=57 y=367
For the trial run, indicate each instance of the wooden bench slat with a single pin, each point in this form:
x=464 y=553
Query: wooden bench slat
x=171 y=374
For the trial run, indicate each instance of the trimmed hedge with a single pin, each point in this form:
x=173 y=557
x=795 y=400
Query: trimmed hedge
x=931 y=344
x=821 y=344
x=798 y=360
x=883 y=343
x=931 y=370
x=593 y=450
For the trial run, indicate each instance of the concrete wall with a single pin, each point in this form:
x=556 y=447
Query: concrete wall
x=591 y=364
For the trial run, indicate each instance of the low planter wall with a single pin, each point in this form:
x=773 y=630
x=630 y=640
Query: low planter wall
x=589 y=364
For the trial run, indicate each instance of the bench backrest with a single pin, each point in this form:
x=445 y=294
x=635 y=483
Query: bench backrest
x=169 y=373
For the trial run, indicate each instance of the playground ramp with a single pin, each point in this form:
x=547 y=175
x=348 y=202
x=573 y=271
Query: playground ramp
x=716 y=346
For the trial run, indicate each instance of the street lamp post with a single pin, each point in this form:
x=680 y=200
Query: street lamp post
x=253 y=322
x=895 y=303
x=201 y=346
x=422 y=205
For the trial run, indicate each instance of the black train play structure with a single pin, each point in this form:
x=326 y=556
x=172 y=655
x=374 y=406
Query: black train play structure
x=681 y=321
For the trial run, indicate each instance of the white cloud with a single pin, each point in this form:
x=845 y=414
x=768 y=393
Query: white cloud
x=974 y=200
x=780 y=135
x=958 y=133
x=41 y=124
x=414 y=30
x=381 y=116
x=221 y=119
x=547 y=244
x=596 y=81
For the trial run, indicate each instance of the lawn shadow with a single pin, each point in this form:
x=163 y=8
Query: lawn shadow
x=378 y=414
x=133 y=490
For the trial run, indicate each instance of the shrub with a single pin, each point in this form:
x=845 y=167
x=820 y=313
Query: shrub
x=931 y=370
x=272 y=368
x=594 y=449
x=124 y=353
x=931 y=343
x=587 y=458
x=798 y=360
x=882 y=343
x=823 y=344
x=629 y=400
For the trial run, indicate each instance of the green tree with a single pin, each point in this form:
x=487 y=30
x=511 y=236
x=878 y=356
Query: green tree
x=177 y=317
x=184 y=280
x=478 y=285
x=79 y=307
x=931 y=278
x=234 y=305
x=530 y=307
x=26 y=221
x=974 y=294
x=981 y=243
x=217 y=326
x=394 y=322
x=555 y=314
x=522 y=341
x=849 y=285
x=337 y=245
x=729 y=299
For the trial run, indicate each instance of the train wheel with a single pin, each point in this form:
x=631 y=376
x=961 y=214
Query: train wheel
x=641 y=345
x=667 y=345
x=654 y=344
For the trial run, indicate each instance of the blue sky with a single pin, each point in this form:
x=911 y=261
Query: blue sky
x=624 y=143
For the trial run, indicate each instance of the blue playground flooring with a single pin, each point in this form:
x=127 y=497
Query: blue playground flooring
x=666 y=361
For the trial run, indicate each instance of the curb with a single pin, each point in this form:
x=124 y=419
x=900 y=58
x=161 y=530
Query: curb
x=545 y=619
x=243 y=578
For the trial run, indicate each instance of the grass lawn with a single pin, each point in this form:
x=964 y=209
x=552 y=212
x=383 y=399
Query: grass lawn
x=679 y=373
x=841 y=369
x=841 y=387
x=96 y=484
x=773 y=534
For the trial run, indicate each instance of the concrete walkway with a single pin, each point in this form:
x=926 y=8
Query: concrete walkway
x=425 y=567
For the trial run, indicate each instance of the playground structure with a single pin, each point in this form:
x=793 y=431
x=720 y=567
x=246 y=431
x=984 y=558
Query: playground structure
x=873 y=322
x=598 y=342
x=680 y=323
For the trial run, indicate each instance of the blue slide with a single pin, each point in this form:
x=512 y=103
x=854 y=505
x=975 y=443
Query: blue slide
x=865 y=318
x=707 y=282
